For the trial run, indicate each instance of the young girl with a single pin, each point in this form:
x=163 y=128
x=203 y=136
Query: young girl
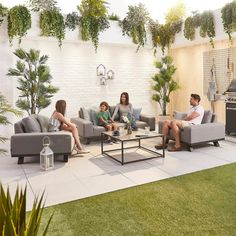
x=104 y=118
x=58 y=122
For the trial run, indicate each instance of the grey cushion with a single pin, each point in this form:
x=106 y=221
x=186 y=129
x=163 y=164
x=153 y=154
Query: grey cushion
x=136 y=113
x=179 y=115
x=31 y=124
x=85 y=113
x=141 y=124
x=43 y=122
x=207 y=117
x=112 y=109
x=93 y=115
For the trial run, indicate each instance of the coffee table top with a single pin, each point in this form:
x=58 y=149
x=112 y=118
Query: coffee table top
x=136 y=135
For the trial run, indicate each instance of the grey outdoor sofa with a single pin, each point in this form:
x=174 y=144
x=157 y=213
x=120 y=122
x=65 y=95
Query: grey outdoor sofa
x=87 y=124
x=208 y=131
x=27 y=140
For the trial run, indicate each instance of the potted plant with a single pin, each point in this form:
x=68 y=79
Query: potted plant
x=134 y=24
x=93 y=20
x=163 y=83
x=34 y=80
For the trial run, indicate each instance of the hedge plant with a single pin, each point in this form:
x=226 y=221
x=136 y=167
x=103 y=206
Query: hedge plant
x=134 y=24
x=19 y=21
x=93 y=20
x=228 y=15
x=52 y=24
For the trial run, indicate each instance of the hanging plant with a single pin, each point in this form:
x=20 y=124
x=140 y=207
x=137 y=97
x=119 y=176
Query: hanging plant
x=134 y=24
x=3 y=13
x=93 y=20
x=207 y=27
x=228 y=15
x=52 y=24
x=190 y=24
x=72 y=21
x=114 y=17
x=19 y=21
x=43 y=5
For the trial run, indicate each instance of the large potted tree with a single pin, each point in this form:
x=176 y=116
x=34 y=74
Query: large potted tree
x=163 y=83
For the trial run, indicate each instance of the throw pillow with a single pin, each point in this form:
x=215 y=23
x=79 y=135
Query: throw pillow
x=136 y=113
x=93 y=115
x=179 y=115
x=43 y=121
x=86 y=113
x=111 y=110
x=31 y=125
x=207 y=117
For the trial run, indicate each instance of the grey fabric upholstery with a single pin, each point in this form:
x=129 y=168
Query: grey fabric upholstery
x=30 y=143
x=87 y=130
x=195 y=134
x=31 y=124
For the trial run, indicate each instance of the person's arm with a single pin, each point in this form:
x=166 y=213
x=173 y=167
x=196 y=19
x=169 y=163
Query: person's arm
x=101 y=119
x=192 y=116
x=115 y=112
x=131 y=109
x=109 y=117
x=62 y=119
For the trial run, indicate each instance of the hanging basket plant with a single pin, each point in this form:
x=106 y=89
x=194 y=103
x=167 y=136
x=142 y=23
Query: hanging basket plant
x=93 y=20
x=3 y=13
x=52 y=24
x=72 y=21
x=228 y=15
x=134 y=24
x=19 y=21
x=190 y=24
x=207 y=27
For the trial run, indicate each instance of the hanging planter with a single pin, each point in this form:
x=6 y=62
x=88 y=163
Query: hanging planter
x=190 y=24
x=19 y=21
x=3 y=13
x=52 y=24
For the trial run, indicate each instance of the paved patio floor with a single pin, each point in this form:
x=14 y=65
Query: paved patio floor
x=95 y=174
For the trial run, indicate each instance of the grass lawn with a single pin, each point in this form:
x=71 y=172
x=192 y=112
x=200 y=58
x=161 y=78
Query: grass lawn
x=202 y=203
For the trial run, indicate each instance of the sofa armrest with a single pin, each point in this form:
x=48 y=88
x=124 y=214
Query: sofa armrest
x=85 y=127
x=150 y=120
x=203 y=133
x=25 y=144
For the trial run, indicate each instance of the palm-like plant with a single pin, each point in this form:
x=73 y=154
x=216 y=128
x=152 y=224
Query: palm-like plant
x=13 y=214
x=164 y=83
x=5 y=108
x=34 y=80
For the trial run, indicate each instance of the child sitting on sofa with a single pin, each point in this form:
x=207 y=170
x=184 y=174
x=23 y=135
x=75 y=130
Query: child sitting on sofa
x=105 y=120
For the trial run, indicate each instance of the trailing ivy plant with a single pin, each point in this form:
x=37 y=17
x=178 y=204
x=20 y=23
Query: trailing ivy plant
x=72 y=20
x=207 y=27
x=190 y=24
x=134 y=24
x=52 y=24
x=93 y=20
x=43 y=5
x=114 y=17
x=34 y=81
x=228 y=15
x=19 y=21
x=3 y=13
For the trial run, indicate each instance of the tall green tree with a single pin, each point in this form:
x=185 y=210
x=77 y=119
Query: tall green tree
x=34 y=81
x=163 y=82
x=5 y=109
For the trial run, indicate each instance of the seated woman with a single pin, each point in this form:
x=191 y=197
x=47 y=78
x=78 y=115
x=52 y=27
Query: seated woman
x=125 y=109
x=58 y=122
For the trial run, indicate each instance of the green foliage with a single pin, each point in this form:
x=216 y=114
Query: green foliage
x=72 y=21
x=93 y=20
x=52 y=24
x=19 y=21
x=114 y=17
x=207 y=27
x=3 y=13
x=134 y=24
x=176 y=13
x=228 y=15
x=13 y=214
x=163 y=82
x=34 y=81
x=190 y=24
x=5 y=109
x=43 y=5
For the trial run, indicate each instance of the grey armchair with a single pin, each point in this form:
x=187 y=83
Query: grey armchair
x=209 y=131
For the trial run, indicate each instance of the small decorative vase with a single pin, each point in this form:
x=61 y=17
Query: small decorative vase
x=129 y=129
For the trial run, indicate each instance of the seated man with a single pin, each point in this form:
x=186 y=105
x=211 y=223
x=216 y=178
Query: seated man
x=194 y=117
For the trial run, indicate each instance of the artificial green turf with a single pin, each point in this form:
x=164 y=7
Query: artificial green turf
x=202 y=203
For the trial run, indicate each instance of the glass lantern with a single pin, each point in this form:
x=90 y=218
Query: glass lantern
x=46 y=155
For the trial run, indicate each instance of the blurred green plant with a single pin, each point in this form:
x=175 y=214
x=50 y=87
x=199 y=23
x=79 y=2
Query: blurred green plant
x=72 y=21
x=3 y=13
x=43 y=5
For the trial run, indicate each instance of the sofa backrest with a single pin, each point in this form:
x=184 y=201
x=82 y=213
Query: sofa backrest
x=32 y=124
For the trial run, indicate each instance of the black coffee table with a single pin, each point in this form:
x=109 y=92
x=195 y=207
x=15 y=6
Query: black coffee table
x=137 y=136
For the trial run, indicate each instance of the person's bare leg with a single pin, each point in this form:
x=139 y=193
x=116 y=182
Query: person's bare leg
x=176 y=126
x=165 y=128
x=114 y=126
x=74 y=131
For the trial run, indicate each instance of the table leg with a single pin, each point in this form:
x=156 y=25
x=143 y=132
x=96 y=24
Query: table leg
x=102 y=136
x=163 y=147
x=122 y=152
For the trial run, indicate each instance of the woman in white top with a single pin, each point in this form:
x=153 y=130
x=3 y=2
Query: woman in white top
x=58 y=122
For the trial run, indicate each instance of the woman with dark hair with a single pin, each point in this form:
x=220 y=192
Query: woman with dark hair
x=125 y=109
x=58 y=122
